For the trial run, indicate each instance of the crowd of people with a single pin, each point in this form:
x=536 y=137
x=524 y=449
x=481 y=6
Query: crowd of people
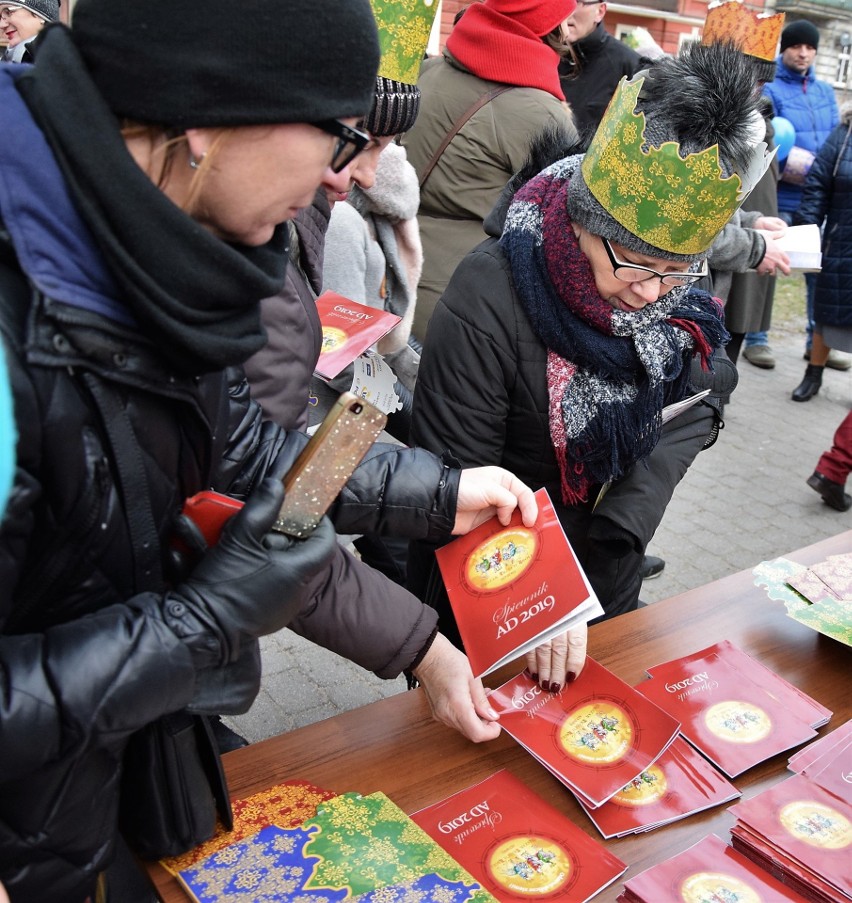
x=170 y=215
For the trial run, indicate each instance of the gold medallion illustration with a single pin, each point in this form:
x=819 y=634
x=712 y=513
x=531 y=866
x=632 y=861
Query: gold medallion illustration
x=599 y=732
x=643 y=790
x=332 y=339
x=703 y=887
x=737 y=722
x=529 y=865
x=500 y=560
x=816 y=824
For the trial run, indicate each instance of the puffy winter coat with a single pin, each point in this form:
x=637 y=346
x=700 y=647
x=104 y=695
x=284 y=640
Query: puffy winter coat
x=810 y=105
x=474 y=168
x=828 y=195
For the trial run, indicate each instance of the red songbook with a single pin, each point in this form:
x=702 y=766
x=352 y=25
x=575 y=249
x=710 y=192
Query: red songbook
x=807 y=824
x=734 y=721
x=517 y=845
x=512 y=588
x=595 y=735
x=680 y=783
x=348 y=329
x=708 y=872
x=829 y=746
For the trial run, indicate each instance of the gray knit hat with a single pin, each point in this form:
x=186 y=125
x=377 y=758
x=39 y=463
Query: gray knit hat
x=703 y=98
x=150 y=68
x=47 y=9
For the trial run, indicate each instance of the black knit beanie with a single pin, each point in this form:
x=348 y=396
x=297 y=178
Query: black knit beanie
x=395 y=107
x=177 y=63
x=800 y=32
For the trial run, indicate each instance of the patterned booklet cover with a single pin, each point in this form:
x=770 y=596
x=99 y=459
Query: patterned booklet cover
x=680 y=783
x=805 y=824
x=517 y=845
x=734 y=721
x=354 y=847
x=513 y=587
x=829 y=746
x=595 y=735
x=348 y=329
x=708 y=872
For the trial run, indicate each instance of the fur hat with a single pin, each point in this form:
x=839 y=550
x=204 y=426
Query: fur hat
x=800 y=32
x=715 y=79
x=150 y=68
x=47 y=9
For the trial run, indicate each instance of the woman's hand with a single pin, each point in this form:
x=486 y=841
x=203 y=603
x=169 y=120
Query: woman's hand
x=774 y=225
x=486 y=491
x=456 y=697
x=560 y=660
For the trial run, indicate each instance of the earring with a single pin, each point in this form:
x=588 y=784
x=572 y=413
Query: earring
x=195 y=162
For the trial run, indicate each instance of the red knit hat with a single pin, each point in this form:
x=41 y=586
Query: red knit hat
x=500 y=40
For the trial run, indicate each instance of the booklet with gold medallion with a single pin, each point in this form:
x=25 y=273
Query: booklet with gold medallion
x=518 y=846
x=514 y=587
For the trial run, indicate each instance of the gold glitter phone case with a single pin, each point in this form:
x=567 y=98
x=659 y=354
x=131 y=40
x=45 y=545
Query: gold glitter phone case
x=326 y=463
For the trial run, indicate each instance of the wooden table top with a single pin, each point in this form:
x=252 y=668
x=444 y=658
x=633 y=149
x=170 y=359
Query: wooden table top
x=393 y=745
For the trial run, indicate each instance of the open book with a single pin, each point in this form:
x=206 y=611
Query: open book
x=511 y=588
x=803 y=245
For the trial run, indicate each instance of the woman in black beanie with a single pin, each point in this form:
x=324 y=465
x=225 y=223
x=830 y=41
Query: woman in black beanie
x=144 y=181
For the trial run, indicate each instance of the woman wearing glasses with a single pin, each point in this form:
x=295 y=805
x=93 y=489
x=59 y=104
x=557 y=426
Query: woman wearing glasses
x=21 y=23
x=560 y=340
x=145 y=181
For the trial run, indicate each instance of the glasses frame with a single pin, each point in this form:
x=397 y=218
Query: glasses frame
x=667 y=279
x=350 y=142
x=6 y=9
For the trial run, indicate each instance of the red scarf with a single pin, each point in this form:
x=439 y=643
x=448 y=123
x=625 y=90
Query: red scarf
x=504 y=48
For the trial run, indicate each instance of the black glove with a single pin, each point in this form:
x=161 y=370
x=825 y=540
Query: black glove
x=250 y=584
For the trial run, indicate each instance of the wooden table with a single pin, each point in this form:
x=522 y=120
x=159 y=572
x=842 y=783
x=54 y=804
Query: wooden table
x=394 y=746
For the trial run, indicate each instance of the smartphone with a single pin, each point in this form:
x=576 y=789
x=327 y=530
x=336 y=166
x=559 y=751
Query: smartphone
x=316 y=477
x=326 y=463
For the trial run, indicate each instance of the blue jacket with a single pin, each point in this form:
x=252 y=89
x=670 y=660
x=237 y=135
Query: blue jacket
x=828 y=194
x=809 y=104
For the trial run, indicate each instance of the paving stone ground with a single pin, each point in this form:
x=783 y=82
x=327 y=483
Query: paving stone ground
x=743 y=501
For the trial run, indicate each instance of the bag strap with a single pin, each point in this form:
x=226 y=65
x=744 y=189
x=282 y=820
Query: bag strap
x=457 y=125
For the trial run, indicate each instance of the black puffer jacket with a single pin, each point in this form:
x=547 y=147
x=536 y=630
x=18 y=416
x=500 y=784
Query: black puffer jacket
x=828 y=195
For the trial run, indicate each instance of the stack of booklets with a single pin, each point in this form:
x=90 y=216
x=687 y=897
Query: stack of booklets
x=322 y=847
x=800 y=830
x=512 y=588
x=733 y=709
x=595 y=735
x=680 y=783
x=708 y=872
x=517 y=845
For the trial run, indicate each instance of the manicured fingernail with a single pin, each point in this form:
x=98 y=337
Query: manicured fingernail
x=555 y=688
x=493 y=715
x=570 y=677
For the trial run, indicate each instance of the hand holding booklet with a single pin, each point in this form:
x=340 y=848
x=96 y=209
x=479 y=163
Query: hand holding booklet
x=512 y=588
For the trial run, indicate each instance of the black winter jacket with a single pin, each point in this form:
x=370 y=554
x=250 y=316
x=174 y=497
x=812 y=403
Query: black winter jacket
x=828 y=195
x=81 y=665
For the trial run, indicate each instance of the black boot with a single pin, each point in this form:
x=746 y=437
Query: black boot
x=809 y=386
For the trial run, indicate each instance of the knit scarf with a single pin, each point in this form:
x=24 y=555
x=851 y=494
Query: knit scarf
x=609 y=372
x=194 y=296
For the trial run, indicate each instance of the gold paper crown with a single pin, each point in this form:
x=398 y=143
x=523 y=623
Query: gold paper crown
x=750 y=32
x=678 y=204
x=404 y=28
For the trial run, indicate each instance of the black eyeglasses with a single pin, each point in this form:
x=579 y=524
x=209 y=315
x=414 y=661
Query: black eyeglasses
x=633 y=272
x=350 y=142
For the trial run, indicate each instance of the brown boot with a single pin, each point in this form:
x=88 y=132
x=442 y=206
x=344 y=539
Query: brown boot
x=809 y=386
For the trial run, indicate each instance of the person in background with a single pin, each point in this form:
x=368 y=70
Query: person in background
x=808 y=103
x=560 y=340
x=827 y=197
x=136 y=251
x=833 y=469
x=745 y=257
x=21 y=23
x=592 y=73
x=495 y=87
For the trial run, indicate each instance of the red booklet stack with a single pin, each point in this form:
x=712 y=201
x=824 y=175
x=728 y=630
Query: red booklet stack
x=708 y=872
x=517 y=845
x=733 y=709
x=800 y=831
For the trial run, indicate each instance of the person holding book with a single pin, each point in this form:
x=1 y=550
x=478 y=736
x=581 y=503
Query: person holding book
x=135 y=255
x=561 y=339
